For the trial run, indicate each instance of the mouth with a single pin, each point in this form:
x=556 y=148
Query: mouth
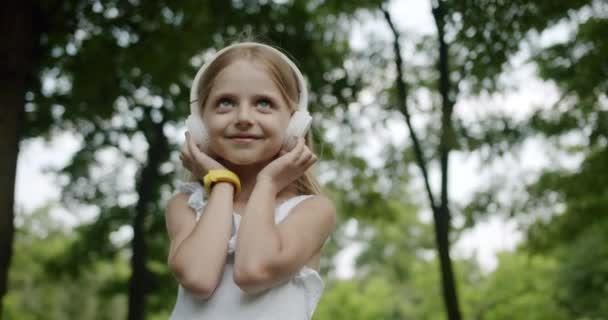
x=244 y=139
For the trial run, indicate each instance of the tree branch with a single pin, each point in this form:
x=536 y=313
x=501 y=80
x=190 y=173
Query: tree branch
x=402 y=94
x=447 y=103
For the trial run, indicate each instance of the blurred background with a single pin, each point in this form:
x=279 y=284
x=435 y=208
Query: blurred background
x=465 y=144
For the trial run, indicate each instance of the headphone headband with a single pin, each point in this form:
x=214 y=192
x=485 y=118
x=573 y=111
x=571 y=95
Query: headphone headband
x=303 y=91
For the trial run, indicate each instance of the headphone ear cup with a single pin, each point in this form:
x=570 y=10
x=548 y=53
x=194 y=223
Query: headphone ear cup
x=198 y=131
x=298 y=126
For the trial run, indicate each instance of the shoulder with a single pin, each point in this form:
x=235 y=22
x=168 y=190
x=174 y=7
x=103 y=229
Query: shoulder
x=179 y=216
x=320 y=201
x=318 y=207
x=178 y=208
x=179 y=200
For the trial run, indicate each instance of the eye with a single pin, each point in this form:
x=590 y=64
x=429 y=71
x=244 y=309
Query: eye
x=264 y=103
x=225 y=103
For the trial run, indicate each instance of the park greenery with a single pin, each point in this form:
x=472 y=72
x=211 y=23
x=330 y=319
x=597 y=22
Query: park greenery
x=116 y=75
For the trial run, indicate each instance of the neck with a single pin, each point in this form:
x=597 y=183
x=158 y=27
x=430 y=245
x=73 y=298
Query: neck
x=248 y=177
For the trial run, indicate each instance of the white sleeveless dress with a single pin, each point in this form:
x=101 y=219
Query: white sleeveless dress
x=294 y=299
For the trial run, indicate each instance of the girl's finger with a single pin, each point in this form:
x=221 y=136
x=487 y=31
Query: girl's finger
x=184 y=154
x=184 y=148
x=196 y=153
x=312 y=161
x=192 y=149
x=304 y=158
x=298 y=149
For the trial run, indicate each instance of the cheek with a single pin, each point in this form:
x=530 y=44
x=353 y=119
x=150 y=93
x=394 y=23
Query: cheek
x=281 y=124
x=279 y=136
x=214 y=129
x=275 y=148
x=215 y=139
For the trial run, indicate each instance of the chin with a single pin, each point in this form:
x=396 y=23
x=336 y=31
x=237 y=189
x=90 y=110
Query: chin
x=240 y=162
x=247 y=156
x=245 y=162
x=247 y=159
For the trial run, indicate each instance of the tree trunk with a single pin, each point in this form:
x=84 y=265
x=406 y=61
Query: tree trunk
x=147 y=190
x=442 y=238
x=441 y=212
x=16 y=54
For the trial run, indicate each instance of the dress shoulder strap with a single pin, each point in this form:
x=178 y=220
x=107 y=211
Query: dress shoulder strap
x=284 y=209
x=196 y=200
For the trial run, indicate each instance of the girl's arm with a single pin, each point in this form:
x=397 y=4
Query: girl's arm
x=198 y=249
x=267 y=254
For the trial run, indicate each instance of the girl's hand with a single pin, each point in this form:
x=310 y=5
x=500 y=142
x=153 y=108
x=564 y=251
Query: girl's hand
x=288 y=166
x=195 y=160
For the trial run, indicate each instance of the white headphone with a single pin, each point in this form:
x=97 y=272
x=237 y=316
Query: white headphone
x=298 y=125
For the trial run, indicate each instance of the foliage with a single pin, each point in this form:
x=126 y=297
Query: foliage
x=373 y=298
x=36 y=292
x=522 y=287
x=567 y=204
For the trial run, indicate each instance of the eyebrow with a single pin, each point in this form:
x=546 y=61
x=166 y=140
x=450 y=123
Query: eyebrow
x=221 y=94
x=230 y=94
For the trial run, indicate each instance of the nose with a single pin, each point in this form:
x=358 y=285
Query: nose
x=244 y=115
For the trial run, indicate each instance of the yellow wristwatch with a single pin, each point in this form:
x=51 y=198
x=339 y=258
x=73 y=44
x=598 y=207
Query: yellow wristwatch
x=221 y=175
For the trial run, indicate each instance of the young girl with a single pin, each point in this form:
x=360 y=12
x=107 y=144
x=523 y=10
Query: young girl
x=246 y=239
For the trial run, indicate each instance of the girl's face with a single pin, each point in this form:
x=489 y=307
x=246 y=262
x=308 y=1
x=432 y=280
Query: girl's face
x=245 y=114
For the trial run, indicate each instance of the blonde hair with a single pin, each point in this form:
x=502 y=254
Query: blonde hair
x=284 y=78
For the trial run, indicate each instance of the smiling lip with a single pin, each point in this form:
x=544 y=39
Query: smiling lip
x=244 y=139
